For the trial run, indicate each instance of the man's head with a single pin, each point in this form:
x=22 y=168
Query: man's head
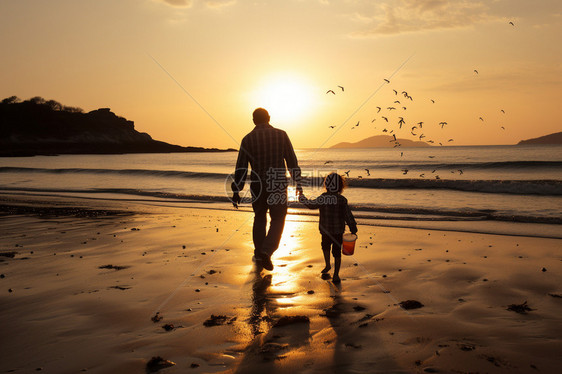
x=260 y=116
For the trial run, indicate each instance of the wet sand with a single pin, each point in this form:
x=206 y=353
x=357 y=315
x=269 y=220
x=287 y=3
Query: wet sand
x=104 y=288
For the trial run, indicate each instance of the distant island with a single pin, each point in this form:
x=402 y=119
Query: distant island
x=555 y=138
x=381 y=141
x=46 y=127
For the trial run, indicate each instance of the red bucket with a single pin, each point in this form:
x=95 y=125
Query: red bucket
x=348 y=244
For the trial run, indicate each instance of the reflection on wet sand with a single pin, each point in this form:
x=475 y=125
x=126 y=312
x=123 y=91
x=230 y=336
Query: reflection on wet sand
x=270 y=344
x=343 y=344
x=260 y=302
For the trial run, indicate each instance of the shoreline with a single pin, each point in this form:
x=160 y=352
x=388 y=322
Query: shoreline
x=479 y=225
x=89 y=306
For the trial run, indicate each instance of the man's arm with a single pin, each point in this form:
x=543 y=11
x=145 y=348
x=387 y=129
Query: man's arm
x=292 y=163
x=240 y=174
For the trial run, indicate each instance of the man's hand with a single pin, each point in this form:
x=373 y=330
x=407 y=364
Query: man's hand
x=235 y=199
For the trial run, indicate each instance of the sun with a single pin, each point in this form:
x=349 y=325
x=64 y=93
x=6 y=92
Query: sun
x=287 y=97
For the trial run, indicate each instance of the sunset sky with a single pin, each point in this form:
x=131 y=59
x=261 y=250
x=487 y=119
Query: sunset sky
x=191 y=72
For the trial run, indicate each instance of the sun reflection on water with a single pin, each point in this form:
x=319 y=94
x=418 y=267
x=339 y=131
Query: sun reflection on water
x=291 y=194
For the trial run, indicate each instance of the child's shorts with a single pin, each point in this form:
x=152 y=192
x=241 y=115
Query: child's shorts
x=333 y=242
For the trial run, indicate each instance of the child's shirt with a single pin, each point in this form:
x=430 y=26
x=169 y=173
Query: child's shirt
x=334 y=213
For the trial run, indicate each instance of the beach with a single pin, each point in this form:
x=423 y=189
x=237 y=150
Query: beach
x=105 y=286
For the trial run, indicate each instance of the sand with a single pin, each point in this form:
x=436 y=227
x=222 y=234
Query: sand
x=104 y=287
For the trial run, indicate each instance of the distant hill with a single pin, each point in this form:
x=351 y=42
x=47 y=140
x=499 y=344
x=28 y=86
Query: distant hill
x=381 y=141
x=40 y=127
x=555 y=138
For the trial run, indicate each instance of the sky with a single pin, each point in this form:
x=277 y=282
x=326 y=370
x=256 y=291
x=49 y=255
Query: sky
x=191 y=72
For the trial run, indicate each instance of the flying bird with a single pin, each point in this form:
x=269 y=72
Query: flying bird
x=378 y=109
x=401 y=122
x=460 y=172
x=395 y=92
x=330 y=91
x=394 y=136
x=368 y=173
x=430 y=141
x=503 y=128
x=420 y=123
x=332 y=127
x=450 y=140
x=397 y=102
x=422 y=136
x=437 y=177
x=404 y=107
x=476 y=71
x=327 y=162
x=387 y=81
x=422 y=175
x=347 y=173
x=384 y=130
x=391 y=108
x=432 y=101
x=511 y=23
x=503 y=111
x=481 y=119
x=442 y=124
x=359 y=177
x=401 y=154
x=357 y=123
x=431 y=156
x=405 y=93
x=386 y=119
x=405 y=171
x=341 y=88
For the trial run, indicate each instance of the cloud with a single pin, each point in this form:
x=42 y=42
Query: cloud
x=219 y=3
x=403 y=16
x=178 y=3
x=213 y=4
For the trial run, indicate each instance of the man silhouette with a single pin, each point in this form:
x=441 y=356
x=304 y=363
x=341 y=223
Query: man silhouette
x=270 y=153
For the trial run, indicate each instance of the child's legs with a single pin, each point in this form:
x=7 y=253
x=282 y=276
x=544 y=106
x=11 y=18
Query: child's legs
x=336 y=252
x=326 y=245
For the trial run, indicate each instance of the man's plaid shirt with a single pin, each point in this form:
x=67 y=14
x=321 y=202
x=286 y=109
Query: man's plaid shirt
x=334 y=213
x=266 y=149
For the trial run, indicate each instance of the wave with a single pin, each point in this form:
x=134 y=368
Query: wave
x=139 y=172
x=418 y=164
x=519 y=187
x=503 y=165
x=547 y=187
x=361 y=211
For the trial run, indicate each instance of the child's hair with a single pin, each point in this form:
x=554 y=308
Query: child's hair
x=334 y=183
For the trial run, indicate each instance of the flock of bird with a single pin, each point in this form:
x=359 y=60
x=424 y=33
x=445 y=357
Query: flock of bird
x=416 y=130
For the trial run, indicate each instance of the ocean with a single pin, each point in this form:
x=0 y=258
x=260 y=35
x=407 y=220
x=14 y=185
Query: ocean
x=514 y=190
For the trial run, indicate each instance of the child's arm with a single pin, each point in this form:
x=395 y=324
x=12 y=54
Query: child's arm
x=310 y=204
x=350 y=220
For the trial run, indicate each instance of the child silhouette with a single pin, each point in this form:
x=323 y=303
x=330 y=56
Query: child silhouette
x=334 y=215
